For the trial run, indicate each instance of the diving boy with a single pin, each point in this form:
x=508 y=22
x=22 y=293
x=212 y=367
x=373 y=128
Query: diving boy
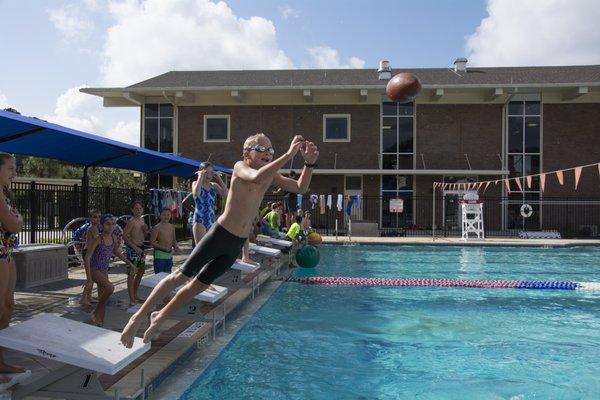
x=218 y=249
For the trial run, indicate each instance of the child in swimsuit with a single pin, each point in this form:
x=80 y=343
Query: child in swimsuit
x=134 y=235
x=91 y=235
x=164 y=242
x=205 y=193
x=220 y=247
x=98 y=259
x=11 y=224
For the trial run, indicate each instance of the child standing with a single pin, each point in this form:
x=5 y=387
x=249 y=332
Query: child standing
x=220 y=247
x=163 y=240
x=11 y=224
x=306 y=223
x=91 y=235
x=98 y=258
x=134 y=235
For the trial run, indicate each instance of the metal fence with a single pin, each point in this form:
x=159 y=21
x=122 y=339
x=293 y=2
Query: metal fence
x=47 y=209
x=572 y=217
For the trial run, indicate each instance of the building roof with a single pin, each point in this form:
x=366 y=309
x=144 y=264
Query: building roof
x=314 y=78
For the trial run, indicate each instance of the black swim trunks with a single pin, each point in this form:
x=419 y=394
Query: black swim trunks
x=215 y=253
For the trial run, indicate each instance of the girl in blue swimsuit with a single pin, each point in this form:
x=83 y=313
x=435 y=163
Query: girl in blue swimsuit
x=11 y=224
x=205 y=193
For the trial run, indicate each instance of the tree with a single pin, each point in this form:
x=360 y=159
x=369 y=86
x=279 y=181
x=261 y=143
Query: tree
x=36 y=167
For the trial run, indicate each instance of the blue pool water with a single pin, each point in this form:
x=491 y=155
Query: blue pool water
x=319 y=342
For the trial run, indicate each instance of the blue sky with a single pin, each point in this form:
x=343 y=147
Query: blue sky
x=51 y=48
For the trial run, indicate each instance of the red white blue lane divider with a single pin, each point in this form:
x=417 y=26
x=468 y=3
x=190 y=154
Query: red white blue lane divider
x=436 y=282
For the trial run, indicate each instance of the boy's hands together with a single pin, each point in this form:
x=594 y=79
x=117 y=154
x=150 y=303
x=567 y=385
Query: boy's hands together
x=297 y=142
x=309 y=152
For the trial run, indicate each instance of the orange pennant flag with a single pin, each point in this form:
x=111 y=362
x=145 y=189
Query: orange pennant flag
x=507 y=185
x=486 y=186
x=528 y=181
x=559 y=175
x=542 y=181
x=519 y=184
x=577 y=176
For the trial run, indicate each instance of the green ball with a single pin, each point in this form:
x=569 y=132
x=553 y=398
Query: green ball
x=307 y=256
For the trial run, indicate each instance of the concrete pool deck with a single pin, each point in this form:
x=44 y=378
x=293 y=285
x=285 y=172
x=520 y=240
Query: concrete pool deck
x=178 y=339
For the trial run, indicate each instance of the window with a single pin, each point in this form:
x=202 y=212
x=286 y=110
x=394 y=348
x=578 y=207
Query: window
x=524 y=158
x=158 y=127
x=397 y=137
x=216 y=128
x=396 y=187
x=336 y=127
x=397 y=144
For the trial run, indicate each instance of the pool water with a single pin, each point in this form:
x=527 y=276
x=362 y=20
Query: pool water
x=322 y=342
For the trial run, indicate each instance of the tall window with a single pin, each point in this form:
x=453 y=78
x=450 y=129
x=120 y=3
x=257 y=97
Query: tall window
x=158 y=135
x=524 y=151
x=397 y=140
x=397 y=135
x=158 y=127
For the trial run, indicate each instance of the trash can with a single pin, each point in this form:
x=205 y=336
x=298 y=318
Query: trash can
x=38 y=264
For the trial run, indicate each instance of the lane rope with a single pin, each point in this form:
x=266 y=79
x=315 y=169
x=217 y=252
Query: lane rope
x=441 y=282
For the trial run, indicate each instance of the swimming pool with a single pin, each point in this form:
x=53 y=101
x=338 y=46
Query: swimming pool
x=323 y=342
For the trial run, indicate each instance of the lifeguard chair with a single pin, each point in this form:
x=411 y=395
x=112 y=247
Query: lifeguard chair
x=472 y=216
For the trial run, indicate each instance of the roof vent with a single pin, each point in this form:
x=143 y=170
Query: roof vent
x=460 y=64
x=385 y=71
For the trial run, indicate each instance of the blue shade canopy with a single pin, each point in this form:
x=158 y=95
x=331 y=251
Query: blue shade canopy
x=34 y=137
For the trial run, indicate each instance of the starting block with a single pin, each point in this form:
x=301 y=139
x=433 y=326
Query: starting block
x=85 y=350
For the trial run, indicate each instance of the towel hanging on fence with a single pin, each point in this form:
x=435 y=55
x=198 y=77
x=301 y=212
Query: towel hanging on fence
x=340 y=202
x=314 y=199
x=329 y=201
x=298 y=201
x=322 y=203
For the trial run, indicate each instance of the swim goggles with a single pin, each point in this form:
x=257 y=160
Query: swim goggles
x=261 y=149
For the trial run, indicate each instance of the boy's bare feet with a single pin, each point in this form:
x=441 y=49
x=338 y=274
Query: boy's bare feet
x=153 y=328
x=250 y=261
x=130 y=330
x=10 y=369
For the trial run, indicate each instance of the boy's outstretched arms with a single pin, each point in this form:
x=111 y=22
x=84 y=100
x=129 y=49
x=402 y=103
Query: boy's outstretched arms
x=243 y=171
x=310 y=153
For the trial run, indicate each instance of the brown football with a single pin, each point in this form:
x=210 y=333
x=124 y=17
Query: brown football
x=403 y=87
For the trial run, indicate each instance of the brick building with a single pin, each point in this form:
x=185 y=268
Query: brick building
x=466 y=125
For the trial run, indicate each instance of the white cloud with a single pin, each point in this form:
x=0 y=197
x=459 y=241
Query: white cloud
x=537 y=32
x=4 y=101
x=288 y=12
x=156 y=36
x=71 y=23
x=80 y=111
x=128 y=132
x=325 y=57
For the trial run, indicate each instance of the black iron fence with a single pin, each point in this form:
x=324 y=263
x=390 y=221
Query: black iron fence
x=47 y=209
x=572 y=217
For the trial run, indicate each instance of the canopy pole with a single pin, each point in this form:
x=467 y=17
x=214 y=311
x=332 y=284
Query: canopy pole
x=433 y=221
x=85 y=187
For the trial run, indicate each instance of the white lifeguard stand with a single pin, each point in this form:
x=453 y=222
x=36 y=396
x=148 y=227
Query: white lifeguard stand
x=472 y=216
